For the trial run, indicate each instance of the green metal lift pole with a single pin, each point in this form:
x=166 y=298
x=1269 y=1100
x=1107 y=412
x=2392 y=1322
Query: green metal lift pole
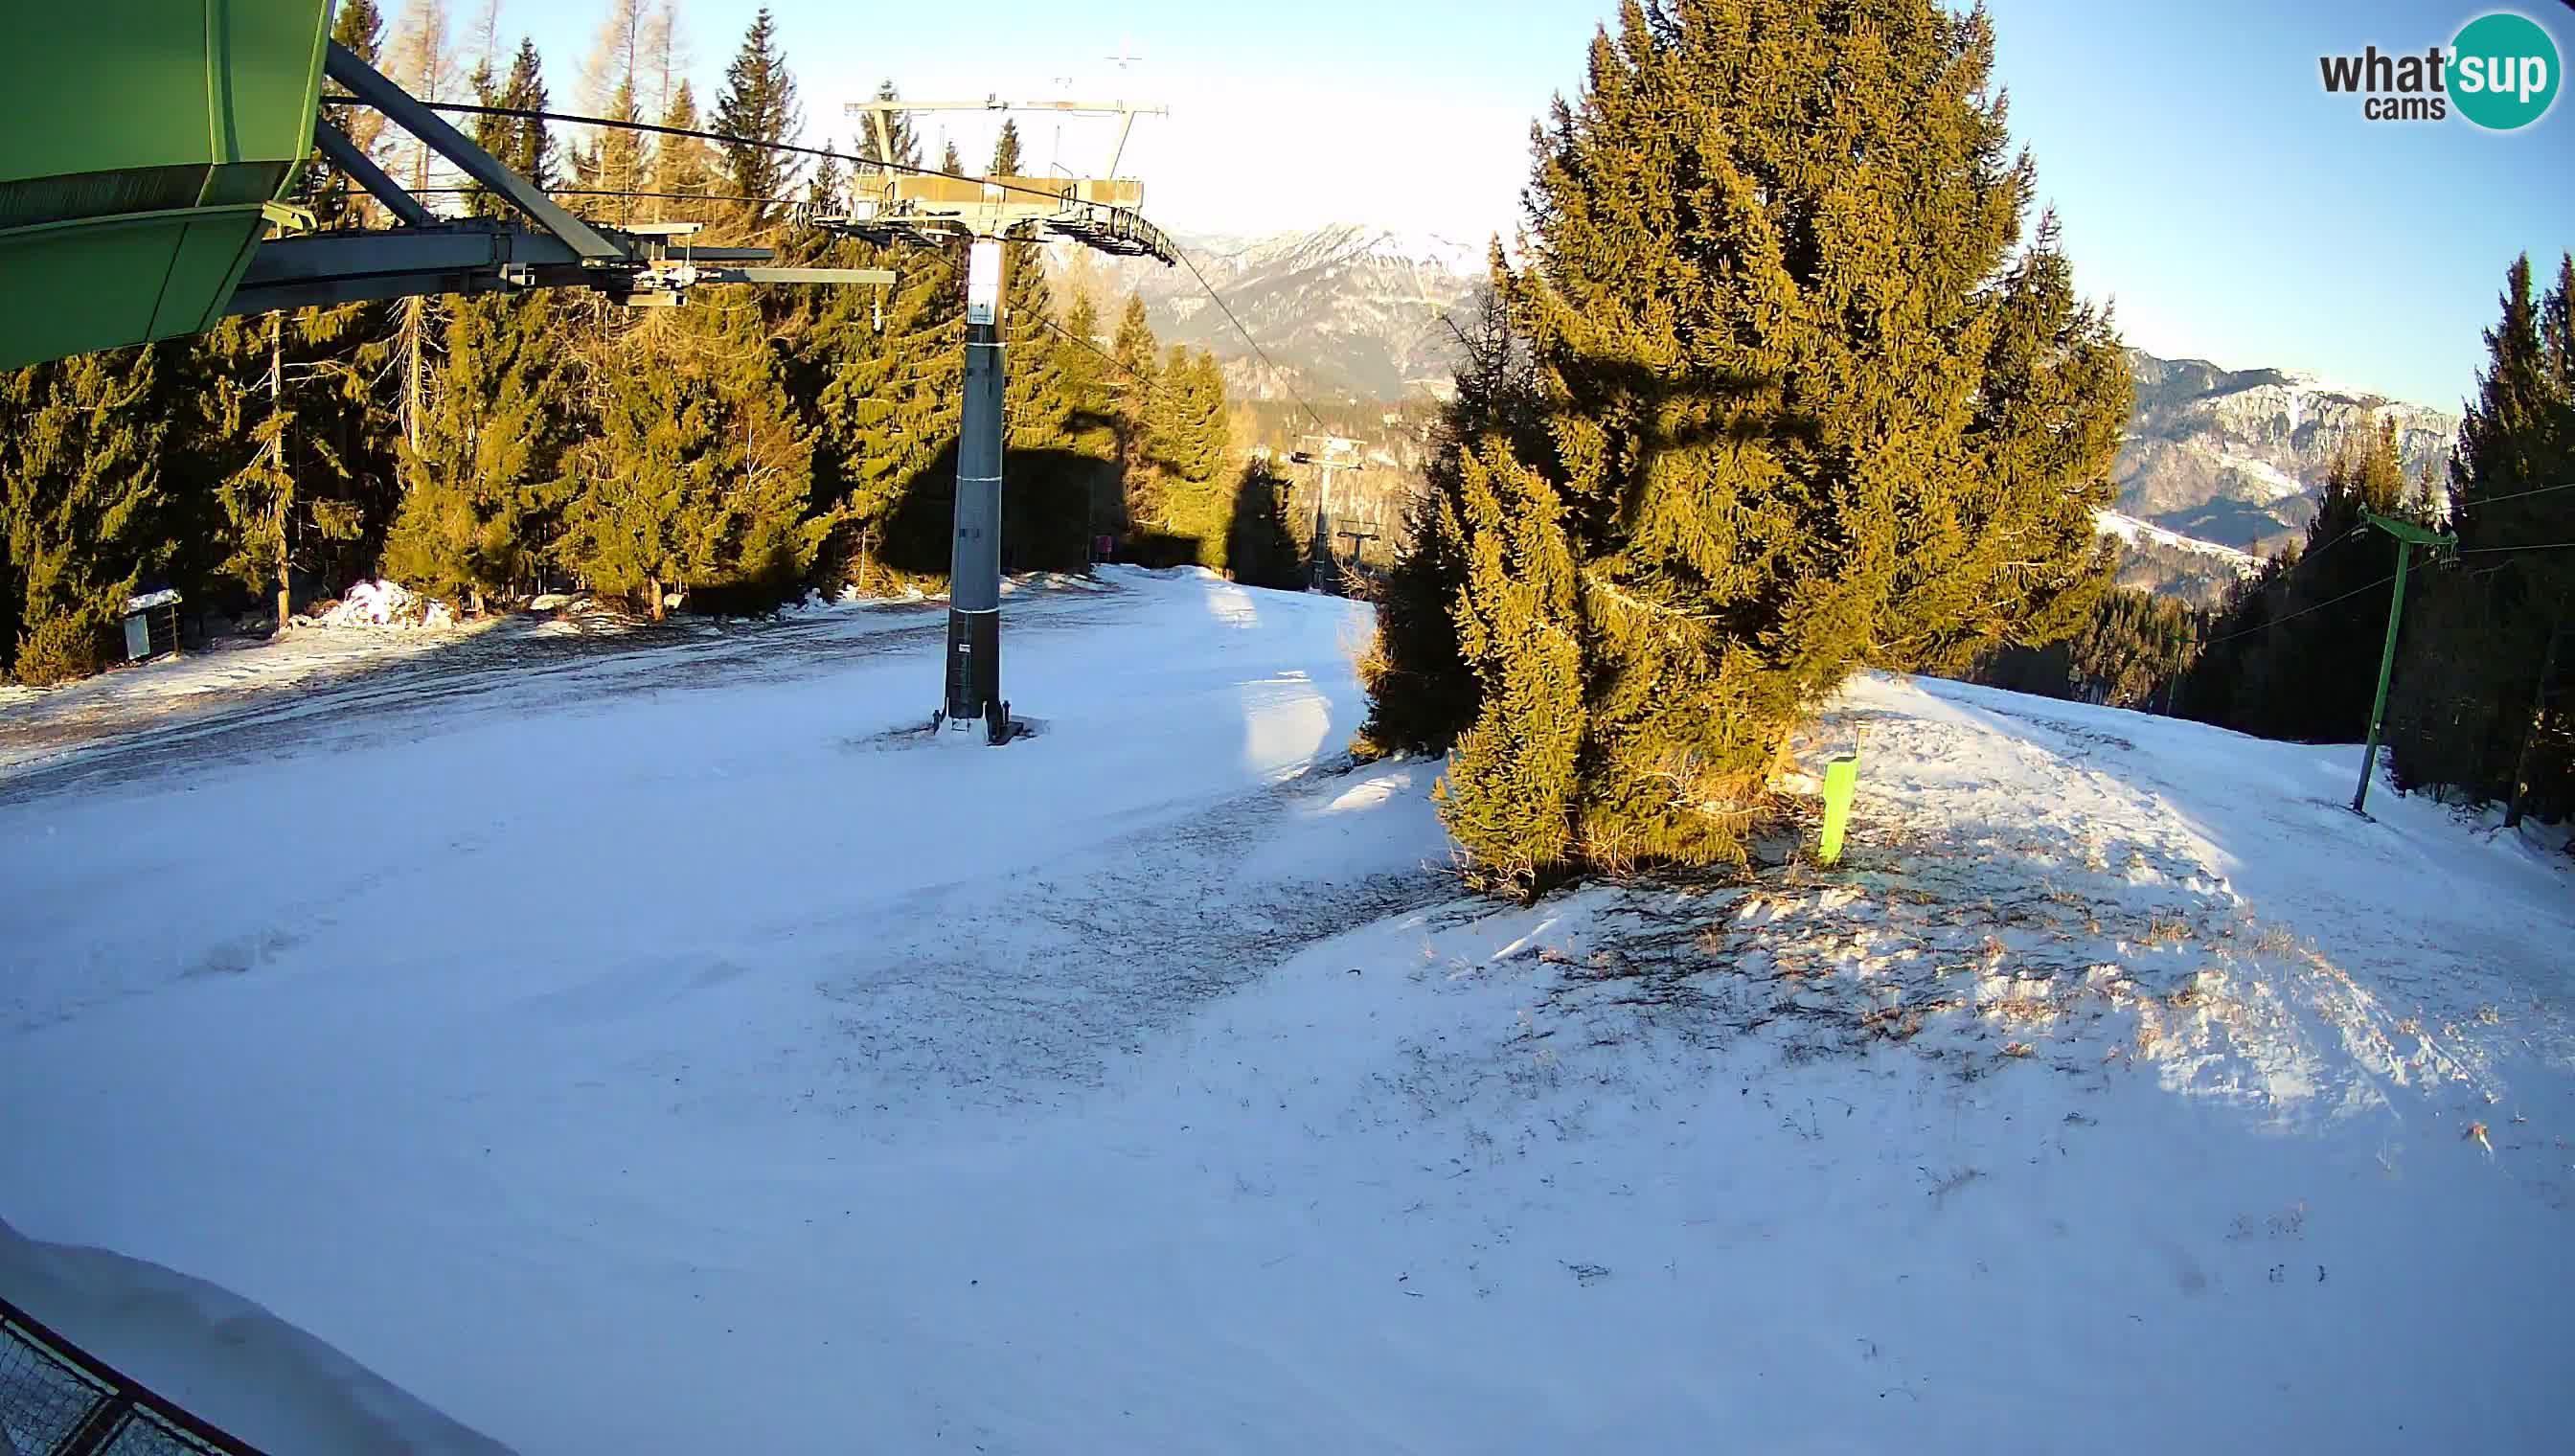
x=2386 y=669
x=2408 y=536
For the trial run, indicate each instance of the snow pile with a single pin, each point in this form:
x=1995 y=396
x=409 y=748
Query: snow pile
x=218 y=1356
x=1144 y=1085
x=383 y=604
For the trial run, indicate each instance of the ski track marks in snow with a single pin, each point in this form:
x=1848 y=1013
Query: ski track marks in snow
x=1141 y=1087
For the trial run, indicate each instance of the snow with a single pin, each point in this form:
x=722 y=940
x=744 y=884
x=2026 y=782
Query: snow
x=44 y=723
x=384 y=604
x=2265 y=476
x=2129 y=529
x=651 y=1049
x=166 y=596
x=216 y=1355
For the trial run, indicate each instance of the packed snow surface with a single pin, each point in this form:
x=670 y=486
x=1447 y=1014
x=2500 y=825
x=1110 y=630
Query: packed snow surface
x=630 y=1043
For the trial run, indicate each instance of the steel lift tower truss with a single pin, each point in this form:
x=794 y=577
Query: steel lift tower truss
x=643 y=265
x=894 y=204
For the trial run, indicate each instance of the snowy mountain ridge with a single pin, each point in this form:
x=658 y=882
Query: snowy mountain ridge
x=2238 y=455
x=1346 y=311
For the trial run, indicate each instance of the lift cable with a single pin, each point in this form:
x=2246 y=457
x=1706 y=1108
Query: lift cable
x=2301 y=611
x=1219 y=298
x=523 y=113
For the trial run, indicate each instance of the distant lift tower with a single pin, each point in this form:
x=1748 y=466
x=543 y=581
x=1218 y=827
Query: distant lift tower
x=1100 y=212
x=1329 y=454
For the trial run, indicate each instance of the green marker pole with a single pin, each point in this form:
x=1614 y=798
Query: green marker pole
x=2387 y=667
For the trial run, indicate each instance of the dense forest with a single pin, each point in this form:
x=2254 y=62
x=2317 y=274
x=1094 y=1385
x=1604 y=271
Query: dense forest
x=718 y=456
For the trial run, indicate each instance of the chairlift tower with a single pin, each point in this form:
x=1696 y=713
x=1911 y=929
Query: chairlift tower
x=1329 y=453
x=894 y=204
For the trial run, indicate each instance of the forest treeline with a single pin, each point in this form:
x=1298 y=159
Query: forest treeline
x=724 y=454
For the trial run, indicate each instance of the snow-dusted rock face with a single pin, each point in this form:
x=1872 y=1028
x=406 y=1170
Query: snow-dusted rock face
x=2237 y=457
x=1344 y=310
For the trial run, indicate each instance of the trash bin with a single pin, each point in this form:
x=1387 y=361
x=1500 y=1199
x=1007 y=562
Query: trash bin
x=151 y=624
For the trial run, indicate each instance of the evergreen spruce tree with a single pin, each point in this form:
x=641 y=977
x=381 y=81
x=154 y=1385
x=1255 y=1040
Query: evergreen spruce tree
x=2132 y=652
x=902 y=141
x=1810 y=404
x=1189 y=445
x=482 y=482
x=701 y=476
x=1511 y=792
x=278 y=422
x=951 y=163
x=827 y=193
x=1085 y=368
x=886 y=402
x=684 y=168
x=2481 y=706
x=1006 y=151
x=758 y=106
x=1132 y=387
x=2312 y=675
x=1092 y=422
x=2004 y=550
x=522 y=144
x=84 y=503
x=1261 y=549
x=1422 y=693
x=531 y=146
x=617 y=161
x=337 y=201
x=1047 y=497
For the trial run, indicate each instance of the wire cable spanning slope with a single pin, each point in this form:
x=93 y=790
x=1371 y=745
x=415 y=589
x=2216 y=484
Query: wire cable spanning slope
x=2301 y=611
x=1151 y=385
x=1219 y=298
x=523 y=113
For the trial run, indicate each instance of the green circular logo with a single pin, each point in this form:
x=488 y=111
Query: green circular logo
x=2503 y=71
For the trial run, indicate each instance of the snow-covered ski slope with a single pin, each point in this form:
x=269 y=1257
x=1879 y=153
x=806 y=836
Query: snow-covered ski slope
x=633 y=1050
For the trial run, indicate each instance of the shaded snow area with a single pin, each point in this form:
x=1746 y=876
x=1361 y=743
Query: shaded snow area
x=215 y=1354
x=645 y=1050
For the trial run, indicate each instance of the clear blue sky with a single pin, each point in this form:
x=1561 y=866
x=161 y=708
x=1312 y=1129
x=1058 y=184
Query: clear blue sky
x=2208 y=184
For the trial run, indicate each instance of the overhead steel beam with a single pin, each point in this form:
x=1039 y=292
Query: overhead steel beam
x=366 y=84
x=476 y=256
x=362 y=170
x=465 y=258
x=852 y=276
x=995 y=103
